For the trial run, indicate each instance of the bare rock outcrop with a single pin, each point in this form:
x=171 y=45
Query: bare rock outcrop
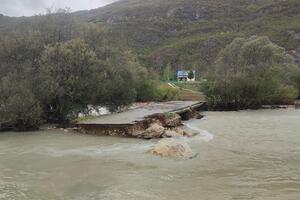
x=173 y=148
x=178 y=132
x=172 y=133
x=154 y=131
x=173 y=121
x=189 y=133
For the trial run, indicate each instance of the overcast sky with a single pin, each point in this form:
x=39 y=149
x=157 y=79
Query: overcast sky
x=32 y=7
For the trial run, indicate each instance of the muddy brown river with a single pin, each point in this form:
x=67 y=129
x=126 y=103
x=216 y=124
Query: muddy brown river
x=241 y=156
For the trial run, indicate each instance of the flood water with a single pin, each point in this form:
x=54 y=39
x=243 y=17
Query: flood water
x=241 y=155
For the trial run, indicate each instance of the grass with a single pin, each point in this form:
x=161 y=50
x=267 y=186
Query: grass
x=189 y=91
x=193 y=86
x=85 y=118
x=169 y=115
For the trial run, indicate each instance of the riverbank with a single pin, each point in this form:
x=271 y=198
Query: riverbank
x=233 y=107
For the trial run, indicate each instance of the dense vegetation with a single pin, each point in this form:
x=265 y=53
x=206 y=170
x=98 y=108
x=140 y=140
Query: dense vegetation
x=190 y=34
x=53 y=66
x=186 y=34
x=51 y=72
x=252 y=72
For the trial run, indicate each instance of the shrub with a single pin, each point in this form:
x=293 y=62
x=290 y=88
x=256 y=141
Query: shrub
x=68 y=75
x=19 y=109
x=146 y=91
x=252 y=72
x=166 y=93
x=191 y=74
x=169 y=115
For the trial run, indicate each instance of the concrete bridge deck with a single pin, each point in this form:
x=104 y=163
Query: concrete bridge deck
x=132 y=116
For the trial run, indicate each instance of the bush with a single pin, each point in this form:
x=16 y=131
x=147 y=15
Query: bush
x=252 y=72
x=127 y=81
x=19 y=109
x=155 y=91
x=191 y=75
x=146 y=91
x=165 y=93
x=68 y=73
x=169 y=115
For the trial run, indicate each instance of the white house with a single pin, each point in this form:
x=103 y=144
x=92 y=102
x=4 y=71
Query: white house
x=185 y=75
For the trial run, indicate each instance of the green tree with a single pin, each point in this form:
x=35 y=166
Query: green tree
x=124 y=80
x=19 y=108
x=191 y=74
x=168 y=73
x=251 y=72
x=69 y=77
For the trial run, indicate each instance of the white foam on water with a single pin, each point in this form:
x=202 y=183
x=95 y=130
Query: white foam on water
x=203 y=135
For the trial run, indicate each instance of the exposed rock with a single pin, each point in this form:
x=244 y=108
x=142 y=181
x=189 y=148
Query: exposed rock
x=187 y=114
x=173 y=11
x=198 y=115
x=179 y=131
x=173 y=121
x=188 y=133
x=296 y=54
x=171 y=133
x=189 y=12
x=154 y=131
x=184 y=132
x=173 y=148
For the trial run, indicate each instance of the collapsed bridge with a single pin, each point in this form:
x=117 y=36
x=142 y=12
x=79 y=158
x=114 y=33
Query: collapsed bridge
x=138 y=119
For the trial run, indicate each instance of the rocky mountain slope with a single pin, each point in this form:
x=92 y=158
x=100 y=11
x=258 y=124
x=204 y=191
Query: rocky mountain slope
x=190 y=33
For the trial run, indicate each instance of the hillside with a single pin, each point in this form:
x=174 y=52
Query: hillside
x=191 y=33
